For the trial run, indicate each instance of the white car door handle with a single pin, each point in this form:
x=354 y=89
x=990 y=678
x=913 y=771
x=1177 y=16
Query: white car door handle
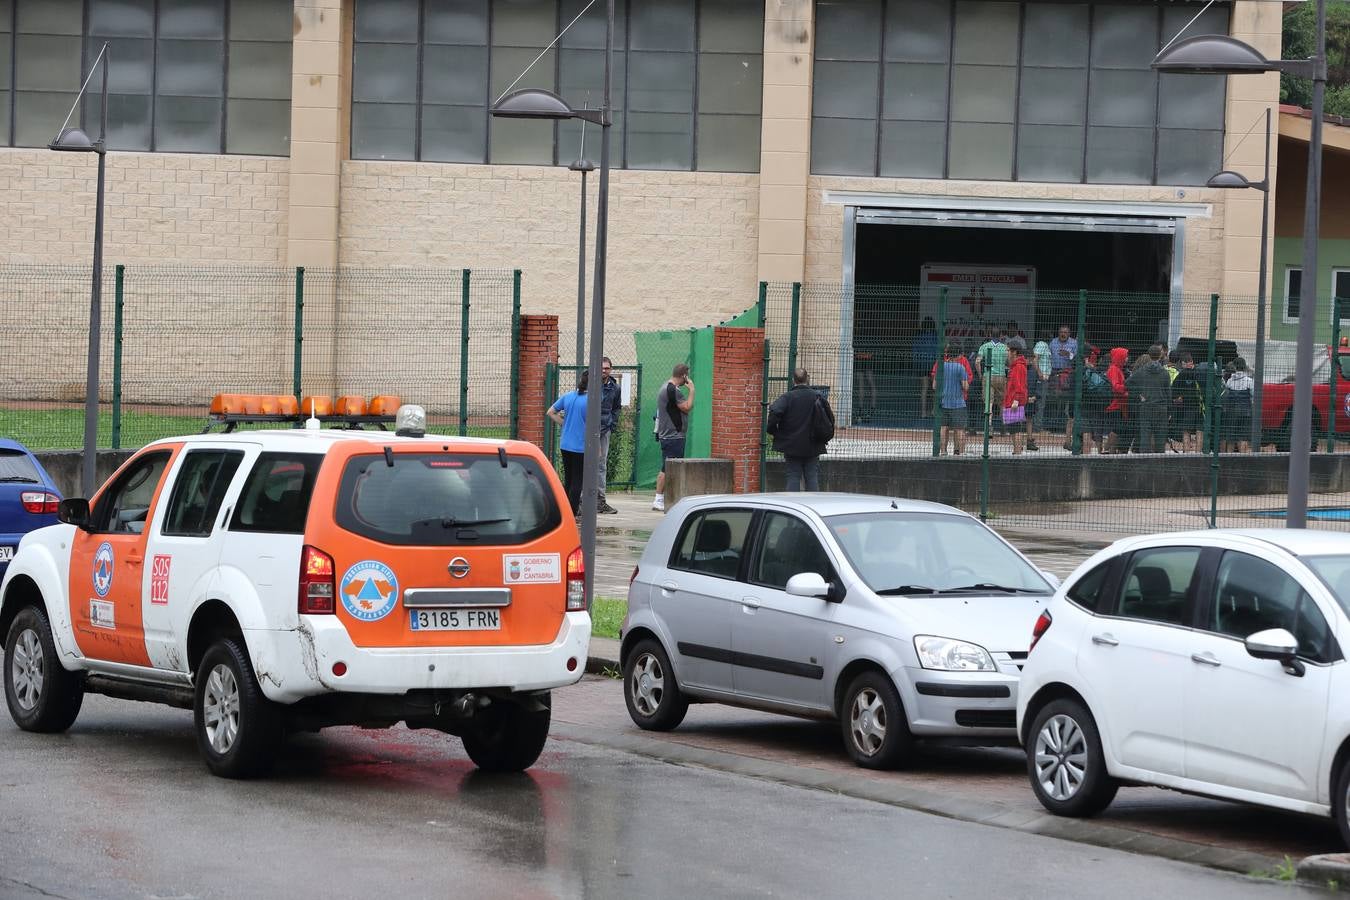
x=1105 y=640
x=1206 y=659
x=669 y=586
x=750 y=602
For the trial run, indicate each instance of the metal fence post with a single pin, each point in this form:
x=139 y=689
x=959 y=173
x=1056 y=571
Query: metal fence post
x=296 y=373
x=1212 y=416
x=941 y=372
x=987 y=402
x=792 y=335
x=637 y=425
x=1334 y=376
x=763 y=302
x=551 y=375
x=515 y=354
x=764 y=417
x=1079 y=373
x=464 y=355
x=119 y=277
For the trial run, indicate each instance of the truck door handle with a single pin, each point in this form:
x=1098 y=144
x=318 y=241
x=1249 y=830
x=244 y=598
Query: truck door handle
x=134 y=560
x=1206 y=659
x=1105 y=640
x=749 y=603
x=669 y=586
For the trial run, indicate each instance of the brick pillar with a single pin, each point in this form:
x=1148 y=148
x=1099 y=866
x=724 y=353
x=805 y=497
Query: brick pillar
x=538 y=348
x=738 y=385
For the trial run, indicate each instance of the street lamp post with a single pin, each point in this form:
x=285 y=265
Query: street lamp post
x=583 y=166
x=75 y=140
x=1213 y=54
x=1229 y=179
x=532 y=103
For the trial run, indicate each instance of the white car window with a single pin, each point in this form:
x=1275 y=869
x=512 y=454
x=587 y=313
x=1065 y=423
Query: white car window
x=1252 y=595
x=1159 y=585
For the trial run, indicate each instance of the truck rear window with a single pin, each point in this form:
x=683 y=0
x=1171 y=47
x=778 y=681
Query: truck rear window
x=444 y=499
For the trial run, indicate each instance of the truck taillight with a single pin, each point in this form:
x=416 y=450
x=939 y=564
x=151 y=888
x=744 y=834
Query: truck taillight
x=576 y=581
x=1039 y=629
x=317 y=583
x=39 y=502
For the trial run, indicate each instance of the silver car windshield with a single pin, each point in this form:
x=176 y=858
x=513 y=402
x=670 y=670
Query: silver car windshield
x=932 y=553
x=1335 y=573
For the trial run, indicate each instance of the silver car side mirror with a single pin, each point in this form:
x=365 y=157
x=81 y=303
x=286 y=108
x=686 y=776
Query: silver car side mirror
x=1276 y=644
x=808 y=584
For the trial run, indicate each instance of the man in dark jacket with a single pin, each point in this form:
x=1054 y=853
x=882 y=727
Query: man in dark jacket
x=1151 y=386
x=610 y=404
x=801 y=423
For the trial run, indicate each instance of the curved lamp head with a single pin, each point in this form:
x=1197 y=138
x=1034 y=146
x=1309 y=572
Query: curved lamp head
x=1219 y=54
x=532 y=103
x=1230 y=179
x=582 y=165
x=536 y=103
x=74 y=140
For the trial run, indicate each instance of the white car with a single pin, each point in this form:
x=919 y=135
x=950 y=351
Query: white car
x=901 y=619
x=1206 y=662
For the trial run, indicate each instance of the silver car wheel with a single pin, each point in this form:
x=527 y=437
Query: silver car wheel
x=1061 y=758
x=220 y=709
x=867 y=721
x=27 y=669
x=647 y=684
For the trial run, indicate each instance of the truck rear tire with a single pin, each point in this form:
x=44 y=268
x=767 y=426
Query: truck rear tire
x=507 y=737
x=42 y=696
x=237 y=727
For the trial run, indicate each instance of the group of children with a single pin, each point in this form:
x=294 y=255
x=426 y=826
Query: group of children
x=1155 y=404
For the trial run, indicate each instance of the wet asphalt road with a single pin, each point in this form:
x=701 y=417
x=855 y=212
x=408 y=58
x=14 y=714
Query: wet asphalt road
x=122 y=807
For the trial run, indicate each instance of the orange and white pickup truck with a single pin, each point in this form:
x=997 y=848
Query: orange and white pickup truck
x=296 y=579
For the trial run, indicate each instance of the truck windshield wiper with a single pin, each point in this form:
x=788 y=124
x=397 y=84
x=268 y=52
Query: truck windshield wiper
x=906 y=589
x=452 y=522
x=987 y=586
x=18 y=479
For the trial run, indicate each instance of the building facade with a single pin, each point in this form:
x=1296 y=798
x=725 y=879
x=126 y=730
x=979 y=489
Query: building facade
x=846 y=143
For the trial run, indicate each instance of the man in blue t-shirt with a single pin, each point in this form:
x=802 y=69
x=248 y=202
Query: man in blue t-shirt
x=955 y=382
x=570 y=412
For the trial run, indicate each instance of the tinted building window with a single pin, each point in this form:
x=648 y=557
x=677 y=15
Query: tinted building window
x=203 y=76
x=685 y=81
x=1000 y=91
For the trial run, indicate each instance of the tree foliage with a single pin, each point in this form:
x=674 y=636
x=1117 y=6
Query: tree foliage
x=1300 y=26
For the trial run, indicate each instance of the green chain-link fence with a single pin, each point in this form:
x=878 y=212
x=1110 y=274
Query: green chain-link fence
x=174 y=336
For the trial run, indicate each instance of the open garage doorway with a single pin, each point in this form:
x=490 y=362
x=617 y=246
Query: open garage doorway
x=1000 y=269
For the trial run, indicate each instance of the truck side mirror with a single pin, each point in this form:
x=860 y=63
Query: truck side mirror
x=74 y=511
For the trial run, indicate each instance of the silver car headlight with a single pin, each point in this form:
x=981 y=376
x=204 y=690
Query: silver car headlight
x=948 y=655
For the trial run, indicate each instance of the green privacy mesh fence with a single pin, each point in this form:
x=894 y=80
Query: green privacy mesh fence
x=1102 y=436
x=173 y=336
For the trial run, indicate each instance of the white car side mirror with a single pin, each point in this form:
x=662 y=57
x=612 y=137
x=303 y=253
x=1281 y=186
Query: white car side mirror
x=1276 y=644
x=1052 y=578
x=808 y=584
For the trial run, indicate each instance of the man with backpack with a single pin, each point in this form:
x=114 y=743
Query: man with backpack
x=802 y=424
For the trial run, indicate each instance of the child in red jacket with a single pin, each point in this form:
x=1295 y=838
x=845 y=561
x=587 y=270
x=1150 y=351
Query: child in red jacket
x=1117 y=411
x=1015 y=393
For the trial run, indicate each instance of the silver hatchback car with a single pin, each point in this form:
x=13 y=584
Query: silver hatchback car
x=901 y=619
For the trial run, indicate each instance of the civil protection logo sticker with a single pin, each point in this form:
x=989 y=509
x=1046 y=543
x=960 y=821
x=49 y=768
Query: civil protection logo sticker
x=369 y=590
x=103 y=569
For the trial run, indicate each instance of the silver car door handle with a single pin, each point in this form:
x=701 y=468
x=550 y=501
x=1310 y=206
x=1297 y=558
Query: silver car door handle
x=1105 y=640
x=1205 y=659
x=669 y=586
x=750 y=602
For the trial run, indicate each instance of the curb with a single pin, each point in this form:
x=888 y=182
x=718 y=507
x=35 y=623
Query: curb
x=1329 y=871
x=983 y=812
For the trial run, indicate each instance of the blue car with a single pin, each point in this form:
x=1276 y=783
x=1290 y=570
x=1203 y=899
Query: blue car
x=28 y=498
